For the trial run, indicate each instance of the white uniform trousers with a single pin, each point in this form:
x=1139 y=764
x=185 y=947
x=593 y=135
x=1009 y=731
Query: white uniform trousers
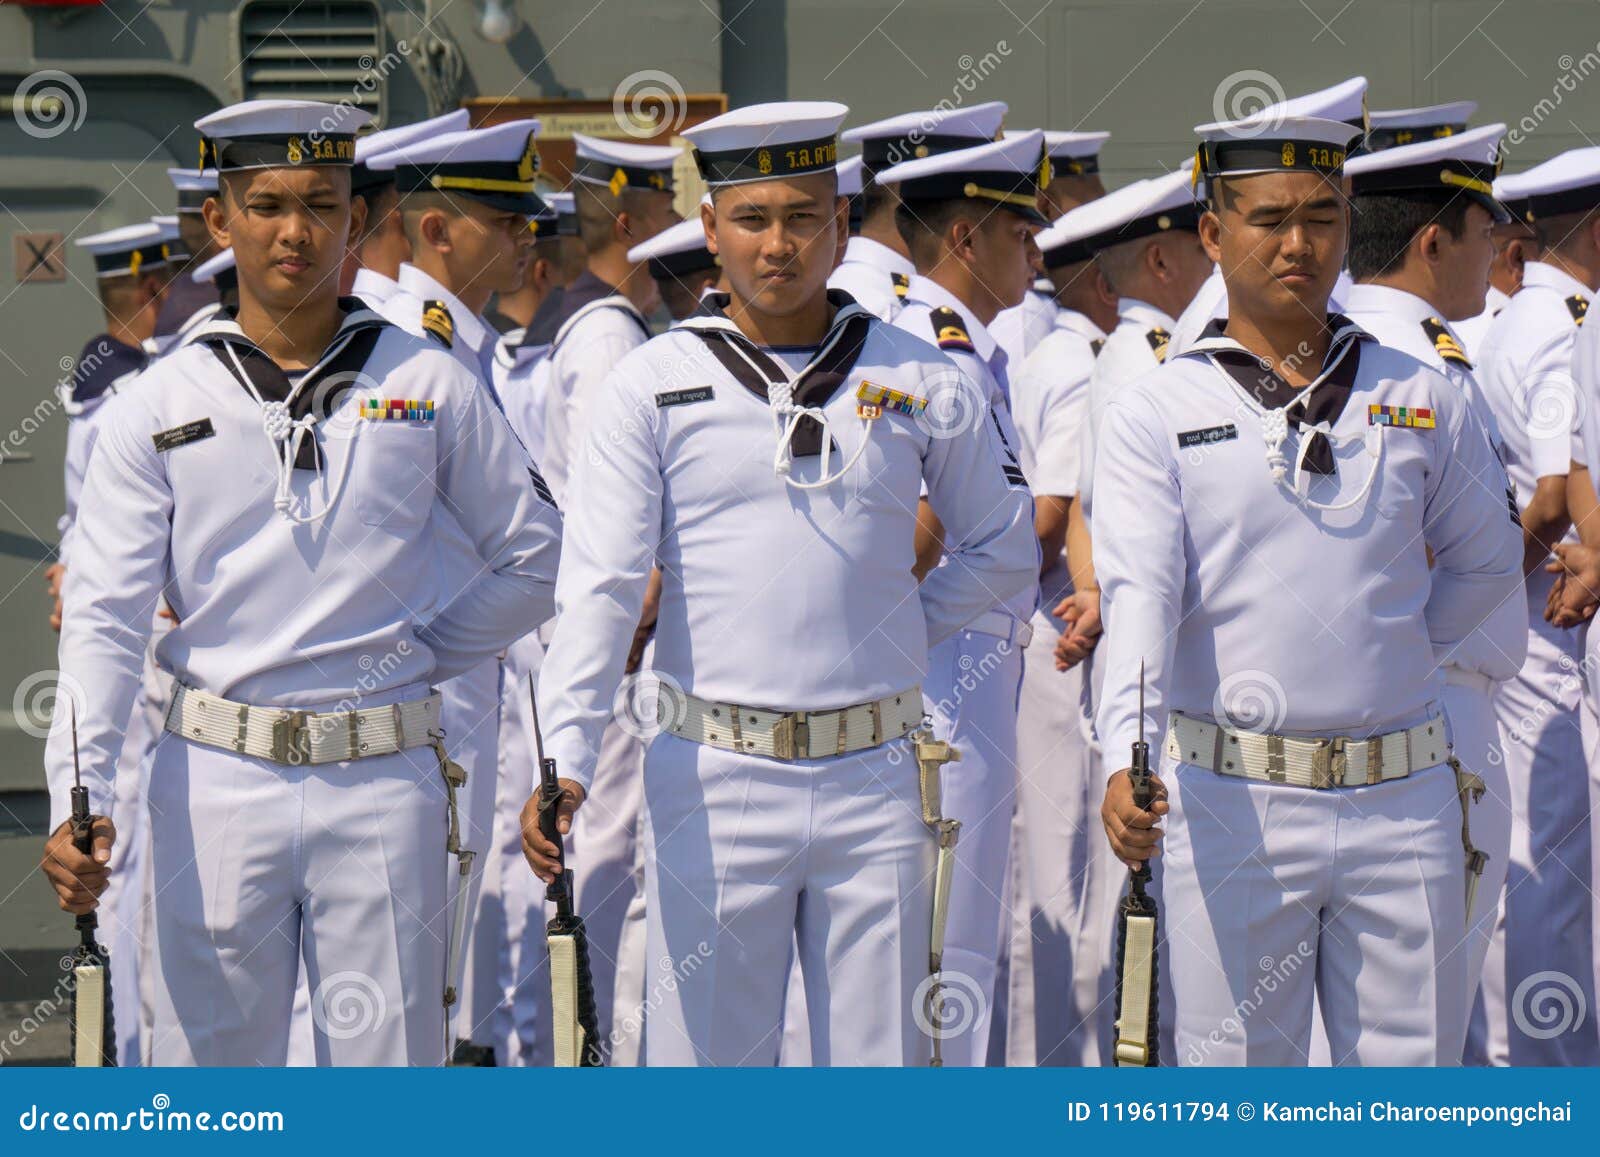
x=1537 y=997
x=1475 y=740
x=1273 y=892
x=470 y=718
x=1073 y=877
x=603 y=848
x=257 y=863
x=970 y=694
x=752 y=857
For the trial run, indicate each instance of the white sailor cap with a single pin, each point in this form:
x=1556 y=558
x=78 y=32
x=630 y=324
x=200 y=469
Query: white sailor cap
x=1066 y=240
x=558 y=218
x=1010 y=172
x=768 y=142
x=1568 y=182
x=193 y=186
x=1407 y=126
x=1071 y=154
x=365 y=179
x=170 y=236
x=213 y=269
x=280 y=134
x=1465 y=163
x=1273 y=143
x=1345 y=101
x=1142 y=209
x=676 y=251
x=495 y=165
x=126 y=251
x=622 y=164
x=913 y=135
x=850 y=183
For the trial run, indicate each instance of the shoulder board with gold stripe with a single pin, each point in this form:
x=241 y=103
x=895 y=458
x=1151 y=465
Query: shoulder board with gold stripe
x=437 y=322
x=949 y=331
x=1444 y=342
x=1578 y=307
x=1158 y=339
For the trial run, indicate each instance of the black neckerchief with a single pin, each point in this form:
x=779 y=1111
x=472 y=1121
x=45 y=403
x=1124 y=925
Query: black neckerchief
x=104 y=361
x=1321 y=401
x=184 y=298
x=352 y=345
x=755 y=370
x=557 y=309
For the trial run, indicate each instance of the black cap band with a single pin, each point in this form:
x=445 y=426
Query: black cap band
x=678 y=264
x=1579 y=200
x=365 y=181
x=619 y=177
x=1267 y=154
x=193 y=200
x=277 y=151
x=882 y=152
x=132 y=262
x=1380 y=139
x=1018 y=192
x=1074 y=166
x=1185 y=218
x=1072 y=253
x=770 y=162
x=506 y=185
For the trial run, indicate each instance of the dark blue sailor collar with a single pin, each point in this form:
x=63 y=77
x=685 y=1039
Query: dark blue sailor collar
x=223 y=326
x=586 y=290
x=104 y=362
x=711 y=316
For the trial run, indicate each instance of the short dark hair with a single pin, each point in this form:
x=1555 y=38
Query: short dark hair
x=1383 y=225
x=875 y=198
x=922 y=222
x=1558 y=233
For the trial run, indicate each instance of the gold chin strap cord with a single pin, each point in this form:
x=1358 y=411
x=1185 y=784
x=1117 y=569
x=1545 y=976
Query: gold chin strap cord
x=1469 y=789
x=932 y=754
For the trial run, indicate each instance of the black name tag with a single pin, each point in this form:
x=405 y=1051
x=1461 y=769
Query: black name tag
x=684 y=397
x=1208 y=436
x=183 y=435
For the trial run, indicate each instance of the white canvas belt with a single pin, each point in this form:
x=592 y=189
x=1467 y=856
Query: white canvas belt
x=789 y=734
x=301 y=737
x=1003 y=626
x=1338 y=761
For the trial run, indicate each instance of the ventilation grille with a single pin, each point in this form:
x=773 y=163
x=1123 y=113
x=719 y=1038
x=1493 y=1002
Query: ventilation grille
x=328 y=50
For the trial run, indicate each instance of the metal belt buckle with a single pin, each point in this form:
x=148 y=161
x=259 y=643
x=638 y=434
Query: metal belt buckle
x=791 y=736
x=291 y=740
x=1328 y=763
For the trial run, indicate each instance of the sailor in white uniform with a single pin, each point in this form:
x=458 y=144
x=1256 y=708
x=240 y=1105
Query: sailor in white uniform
x=185 y=298
x=682 y=265
x=968 y=218
x=1345 y=101
x=1516 y=243
x=465 y=199
x=1074 y=181
x=383 y=246
x=1260 y=507
x=624 y=196
x=1057 y=981
x=771 y=452
x=1420 y=247
x=303 y=801
x=877 y=269
x=1528 y=374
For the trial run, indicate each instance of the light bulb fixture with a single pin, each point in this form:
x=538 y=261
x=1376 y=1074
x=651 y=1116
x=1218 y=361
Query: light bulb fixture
x=498 y=21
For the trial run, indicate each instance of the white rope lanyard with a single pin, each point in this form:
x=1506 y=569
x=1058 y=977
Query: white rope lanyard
x=287 y=434
x=787 y=416
x=1275 y=430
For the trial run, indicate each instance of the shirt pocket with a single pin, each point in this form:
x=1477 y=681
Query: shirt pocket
x=393 y=475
